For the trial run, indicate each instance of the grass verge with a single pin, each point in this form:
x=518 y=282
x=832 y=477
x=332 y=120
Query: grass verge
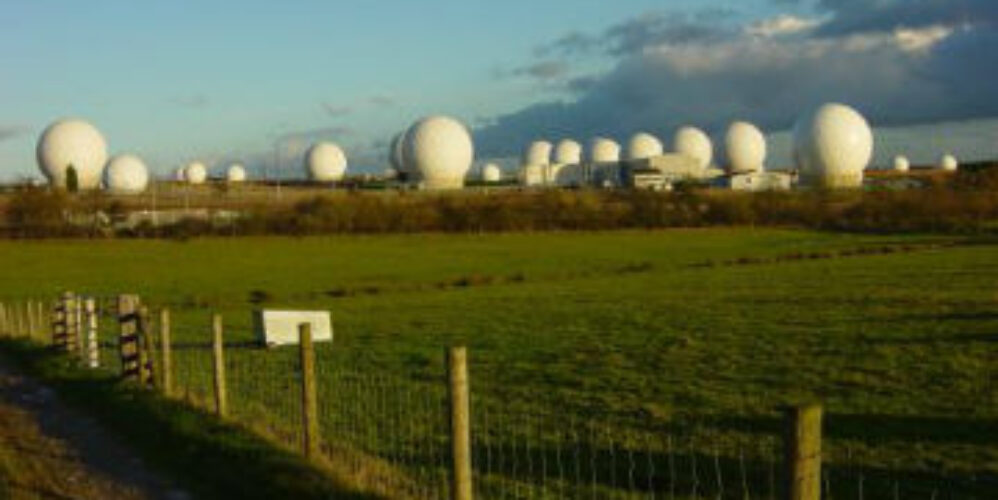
x=207 y=456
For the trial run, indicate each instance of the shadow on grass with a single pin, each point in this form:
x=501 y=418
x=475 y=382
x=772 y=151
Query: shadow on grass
x=209 y=457
x=882 y=428
x=587 y=470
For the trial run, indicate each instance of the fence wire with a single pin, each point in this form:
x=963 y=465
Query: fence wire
x=391 y=434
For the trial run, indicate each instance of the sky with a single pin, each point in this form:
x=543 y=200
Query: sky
x=258 y=81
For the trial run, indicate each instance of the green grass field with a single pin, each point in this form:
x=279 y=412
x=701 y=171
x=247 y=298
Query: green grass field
x=720 y=327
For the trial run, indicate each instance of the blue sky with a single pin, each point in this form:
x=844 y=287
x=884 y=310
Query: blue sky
x=219 y=81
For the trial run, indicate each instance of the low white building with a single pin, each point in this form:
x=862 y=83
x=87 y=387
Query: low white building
x=757 y=181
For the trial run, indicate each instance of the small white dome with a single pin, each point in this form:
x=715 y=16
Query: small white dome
x=901 y=164
x=179 y=174
x=949 y=163
x=195 y=173
x=126 y=174
x=325 y=162
x=603 y=150
x=441 y=150
x=491 y=173
x=694 y=143
x=235 y=173
x=568 y=152
x=531 y=174
x=644 y=145
x=76 y=143
x=832 y=146
x=538 y=153
x=745 y=146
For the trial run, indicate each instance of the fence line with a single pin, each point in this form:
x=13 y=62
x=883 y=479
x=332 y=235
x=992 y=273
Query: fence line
x=452 y=437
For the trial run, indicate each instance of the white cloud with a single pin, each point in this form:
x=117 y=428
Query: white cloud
x=782 y=25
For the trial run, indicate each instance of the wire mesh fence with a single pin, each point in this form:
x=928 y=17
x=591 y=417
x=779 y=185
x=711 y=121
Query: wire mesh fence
x=391 y=433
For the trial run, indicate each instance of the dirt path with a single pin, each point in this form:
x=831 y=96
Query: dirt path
x=50 y=451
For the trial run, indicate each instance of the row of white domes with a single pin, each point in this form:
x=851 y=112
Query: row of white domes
x=744 y=143
x=832 y=146
x=78 y=144
x=196 y=172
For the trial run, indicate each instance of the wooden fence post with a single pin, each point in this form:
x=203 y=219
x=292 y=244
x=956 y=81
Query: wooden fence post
x=460 y=423
x=93 y=348
x=21 y=321
x=218 y=358
x=15 y=328
x=147 y=345
x=166 y=353
x=29 y=319
x=72 y=329
x=128 y=337
x=81 y=340
x=802 y=456
x=309 y=394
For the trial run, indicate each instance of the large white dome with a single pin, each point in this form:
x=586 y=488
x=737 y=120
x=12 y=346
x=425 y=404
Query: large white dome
x=745 y=146
x=901 y=164
x=76 y=143
x=538 y=153
x=395 y=152
x=644 y=145
x=491 y=173
x=832 y=146
x=568 y=152
x=441 y=150
x=325 y=162
x=603 y=150
x=235 y=173
x=126 y=174
x=694 y=143
x=195 y=173
x=949 y=163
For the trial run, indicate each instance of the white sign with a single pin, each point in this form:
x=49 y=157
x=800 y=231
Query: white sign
x=276 y=328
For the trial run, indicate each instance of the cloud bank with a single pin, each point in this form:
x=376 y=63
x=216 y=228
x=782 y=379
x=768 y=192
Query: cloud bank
x=898 y=61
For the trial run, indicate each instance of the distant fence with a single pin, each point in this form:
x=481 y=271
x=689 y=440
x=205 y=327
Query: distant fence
x=445 y=437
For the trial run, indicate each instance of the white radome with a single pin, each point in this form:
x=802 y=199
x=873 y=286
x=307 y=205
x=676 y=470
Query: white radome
x=72 y=142
x=833 y=145
x=694 y=143
x=441 y=151
x=901 y=164
x=568 y=152
x=395 y=151
x=195 y=173
x=126 y=174
x=603 y=150
x=325 y=162
x=235 y=173
x=949 y=163
x=538 y=153
x=745 y=146
x=491 y=173
x=644 y=145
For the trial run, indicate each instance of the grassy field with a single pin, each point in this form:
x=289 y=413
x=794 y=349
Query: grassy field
x=896 y=335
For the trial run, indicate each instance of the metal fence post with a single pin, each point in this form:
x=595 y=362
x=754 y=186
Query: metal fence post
x=218 y=358
x=802 y=457
x=309 y=400
x=460 y=423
